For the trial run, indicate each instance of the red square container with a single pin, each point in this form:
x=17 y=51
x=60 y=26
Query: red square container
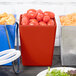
x=37 y=44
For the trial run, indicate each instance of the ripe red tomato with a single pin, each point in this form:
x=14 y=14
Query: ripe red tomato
x=31 y=13
x=51 y=22
x=31 y=10
x=46 y=13
x=33 y=22
x=40 y=16
x=46 y=18
x=25 y=14
x=25 y=20
x=50 y=14
x=39 y=11
x=42 y=23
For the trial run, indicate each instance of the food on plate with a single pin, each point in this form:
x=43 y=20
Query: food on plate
x=72 y=72
x=56 y=72
x=37 y=17
x=7 y=19
x=68 y=20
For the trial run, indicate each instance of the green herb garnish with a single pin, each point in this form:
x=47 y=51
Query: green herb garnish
x=56 y=72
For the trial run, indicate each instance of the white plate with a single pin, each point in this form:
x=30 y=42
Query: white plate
x=10 y=55
x=65 y=69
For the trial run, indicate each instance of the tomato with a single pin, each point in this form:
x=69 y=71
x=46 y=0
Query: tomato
x=51 y=22
x=33 y=22
x=50 y=14
x=39 y=11
x=40 y=17
x=46 y=18
x=31 y=13
x=24 y=21
x=46 y=13
x=42 y=23
x=25 y=14
x=31 y=10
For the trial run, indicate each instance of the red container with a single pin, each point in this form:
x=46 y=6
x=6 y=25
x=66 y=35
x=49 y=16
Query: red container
x=37 y=44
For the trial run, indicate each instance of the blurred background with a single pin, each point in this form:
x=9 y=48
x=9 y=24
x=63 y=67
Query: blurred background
x=59 y=7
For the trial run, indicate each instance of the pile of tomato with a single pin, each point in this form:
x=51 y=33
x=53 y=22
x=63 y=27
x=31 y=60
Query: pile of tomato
x=38 y=17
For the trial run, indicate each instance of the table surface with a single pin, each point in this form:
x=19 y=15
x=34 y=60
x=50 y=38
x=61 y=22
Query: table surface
x=31 y=71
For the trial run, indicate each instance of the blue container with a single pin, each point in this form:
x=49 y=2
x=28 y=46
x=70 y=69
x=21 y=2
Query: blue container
x=3 y=38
